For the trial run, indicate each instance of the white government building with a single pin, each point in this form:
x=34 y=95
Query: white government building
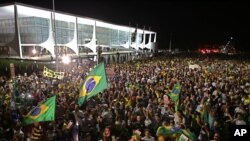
x=27 y=30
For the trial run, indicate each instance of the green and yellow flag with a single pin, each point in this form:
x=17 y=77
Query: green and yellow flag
x=183 y=138
x=44 y=112
x=175 y=93
x=168 y=130
x=94 y=83
x=190 y=135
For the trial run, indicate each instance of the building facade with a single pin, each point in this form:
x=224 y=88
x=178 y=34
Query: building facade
x=27 y=30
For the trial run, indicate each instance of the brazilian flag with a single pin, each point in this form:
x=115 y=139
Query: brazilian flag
x=44 y=112
x=183 y=138
x=168 y=131
x=175 y=93
x=94 y=83
x=191 y=136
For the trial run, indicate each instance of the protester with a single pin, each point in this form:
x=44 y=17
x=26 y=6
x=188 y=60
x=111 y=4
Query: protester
x=213 y=96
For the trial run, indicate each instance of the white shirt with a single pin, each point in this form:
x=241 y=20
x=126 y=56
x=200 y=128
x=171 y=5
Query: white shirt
x=78 y=115
x=148 y=138
x=240 y=122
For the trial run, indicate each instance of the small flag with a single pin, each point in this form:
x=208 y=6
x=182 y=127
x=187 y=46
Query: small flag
x=94 y=83
x=190 y=135
x=44 y=112
x=175 y=93
x=183 y=138
x=167 y=130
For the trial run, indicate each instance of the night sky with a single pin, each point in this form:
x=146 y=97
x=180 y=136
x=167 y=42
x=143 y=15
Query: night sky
x=191 y=23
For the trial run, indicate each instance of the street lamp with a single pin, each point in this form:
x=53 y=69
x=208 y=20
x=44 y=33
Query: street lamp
x=34 y=51
x=66 y=61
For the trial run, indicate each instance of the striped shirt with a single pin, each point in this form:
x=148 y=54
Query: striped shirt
x=36 y=133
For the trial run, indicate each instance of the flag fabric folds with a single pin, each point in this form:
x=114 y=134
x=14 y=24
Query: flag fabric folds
x=175 y=93
x=176 y=132
x=183 y=138
x=94 y=83
x=190 y=135
x=167 y=130
x=44 y=112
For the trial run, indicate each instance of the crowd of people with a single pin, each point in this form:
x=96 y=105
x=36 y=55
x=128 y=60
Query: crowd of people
x=214 y=95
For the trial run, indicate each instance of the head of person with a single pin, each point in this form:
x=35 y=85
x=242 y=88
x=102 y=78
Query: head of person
x=107 y=132
x=161 y=138
x=216 y=137
x=138 y=118
x=147 y=133
x=76 y=108
x=36 y=124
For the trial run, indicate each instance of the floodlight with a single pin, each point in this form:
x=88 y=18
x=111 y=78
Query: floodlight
x=34 y=51
x=66 y=59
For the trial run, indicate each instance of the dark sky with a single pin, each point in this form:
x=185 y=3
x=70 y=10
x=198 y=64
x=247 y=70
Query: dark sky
x=190 y=22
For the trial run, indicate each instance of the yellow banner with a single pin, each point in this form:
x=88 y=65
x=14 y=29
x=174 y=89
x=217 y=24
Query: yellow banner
x=52 y=74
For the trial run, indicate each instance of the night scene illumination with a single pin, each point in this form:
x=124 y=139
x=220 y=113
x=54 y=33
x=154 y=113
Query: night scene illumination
x=127 y=70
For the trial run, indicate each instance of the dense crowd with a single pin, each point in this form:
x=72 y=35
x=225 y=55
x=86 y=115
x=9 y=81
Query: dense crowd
x=214 y=95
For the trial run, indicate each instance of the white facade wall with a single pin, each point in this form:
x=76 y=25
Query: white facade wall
x=49 y=44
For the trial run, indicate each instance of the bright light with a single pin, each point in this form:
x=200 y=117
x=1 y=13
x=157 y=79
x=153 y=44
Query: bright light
x=66 y=59
x=203 y=51
x=29 y=96
x=22 y=95
x=34 y=51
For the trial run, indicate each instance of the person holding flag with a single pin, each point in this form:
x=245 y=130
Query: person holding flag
x=37 y=132
x=43 y=112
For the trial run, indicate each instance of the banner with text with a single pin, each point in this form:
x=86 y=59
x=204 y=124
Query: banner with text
x=52 y=74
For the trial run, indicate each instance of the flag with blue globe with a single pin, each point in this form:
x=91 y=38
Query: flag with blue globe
x=94 y=83
x=43 y=112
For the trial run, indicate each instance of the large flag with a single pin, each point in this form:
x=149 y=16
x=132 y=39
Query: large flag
x=175 y=93
x=95 y=83
x=44 y=112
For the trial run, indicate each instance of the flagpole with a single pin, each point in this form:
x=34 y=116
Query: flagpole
x=105 y=73
x=136 y=35
x=179 y=98
x=170 y=43
x=129 y=42
x=13 y=93
x=143 y=41
x=136 y=41
x=54 y=31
